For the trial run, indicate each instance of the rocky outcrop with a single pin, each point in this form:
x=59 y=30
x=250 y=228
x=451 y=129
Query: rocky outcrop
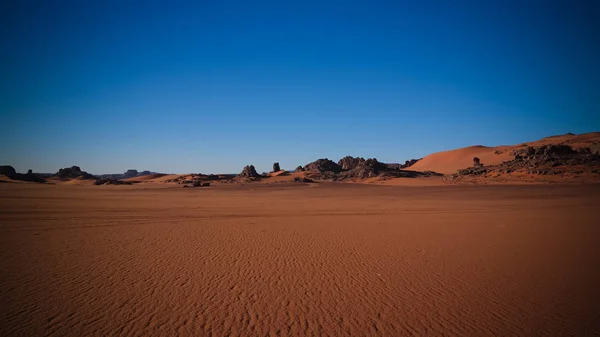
x=299 y=169
x=11 y=173
x=323 y=165
x=73 y=172
x=369 y=168
x=107 y=181
x=546 y=152
x=249 y=172
x=349 y=162
x=366 y=169
x=542 y=160
x=7 y=170
x=276 y=167
x=410 y=163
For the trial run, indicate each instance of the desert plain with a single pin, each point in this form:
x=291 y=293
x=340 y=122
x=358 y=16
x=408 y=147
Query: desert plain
x=299 y=260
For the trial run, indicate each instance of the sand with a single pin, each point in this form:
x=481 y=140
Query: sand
x=303 y=259
x=448 y=162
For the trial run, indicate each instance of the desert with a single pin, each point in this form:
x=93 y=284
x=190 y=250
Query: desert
x=300 y=168
x=288 y=255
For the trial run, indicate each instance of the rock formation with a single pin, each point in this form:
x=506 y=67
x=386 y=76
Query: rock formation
x=410 y=163
x=11 y=173
x=249 y=172
x=276 y=167
x=366 y=169
x=349 y=162
x=299 y=169
x=73 y=172
x=7 y=170
x=323 y=165
x=542 y=160
x=324 y=169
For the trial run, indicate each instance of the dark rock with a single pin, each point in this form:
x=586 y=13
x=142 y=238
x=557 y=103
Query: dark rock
x=276 y=167
x=249 y=172
x=73 y=172
x=106 y=181
x=367 y=169
x=7 y=170
x=349 y=162
x=410 y=163
x=477 y=162
x=299 y=169
x=323 y=165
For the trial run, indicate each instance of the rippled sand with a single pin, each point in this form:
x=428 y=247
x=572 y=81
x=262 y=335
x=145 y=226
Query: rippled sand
x=299 y=260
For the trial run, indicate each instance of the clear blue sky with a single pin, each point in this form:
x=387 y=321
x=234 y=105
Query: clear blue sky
x=210 y=86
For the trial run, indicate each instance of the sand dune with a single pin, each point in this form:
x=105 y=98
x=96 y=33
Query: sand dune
x=448 y=162
x=297 y=260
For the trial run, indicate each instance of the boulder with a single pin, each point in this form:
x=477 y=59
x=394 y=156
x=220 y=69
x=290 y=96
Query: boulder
x=299 y=169
x=276 y=167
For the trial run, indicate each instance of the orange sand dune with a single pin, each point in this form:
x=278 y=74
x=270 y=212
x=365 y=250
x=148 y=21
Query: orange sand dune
x=299 y=260
x=448 y=162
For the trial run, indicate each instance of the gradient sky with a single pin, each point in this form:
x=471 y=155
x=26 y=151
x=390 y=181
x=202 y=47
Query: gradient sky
x=210 y=86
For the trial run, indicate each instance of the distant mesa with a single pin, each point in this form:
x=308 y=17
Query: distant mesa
x=12 y=174
x=130 y=174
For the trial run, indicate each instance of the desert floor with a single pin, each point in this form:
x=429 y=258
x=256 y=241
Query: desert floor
x=322 y=259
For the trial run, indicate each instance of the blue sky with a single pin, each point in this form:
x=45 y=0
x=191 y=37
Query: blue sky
x=210 y=86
